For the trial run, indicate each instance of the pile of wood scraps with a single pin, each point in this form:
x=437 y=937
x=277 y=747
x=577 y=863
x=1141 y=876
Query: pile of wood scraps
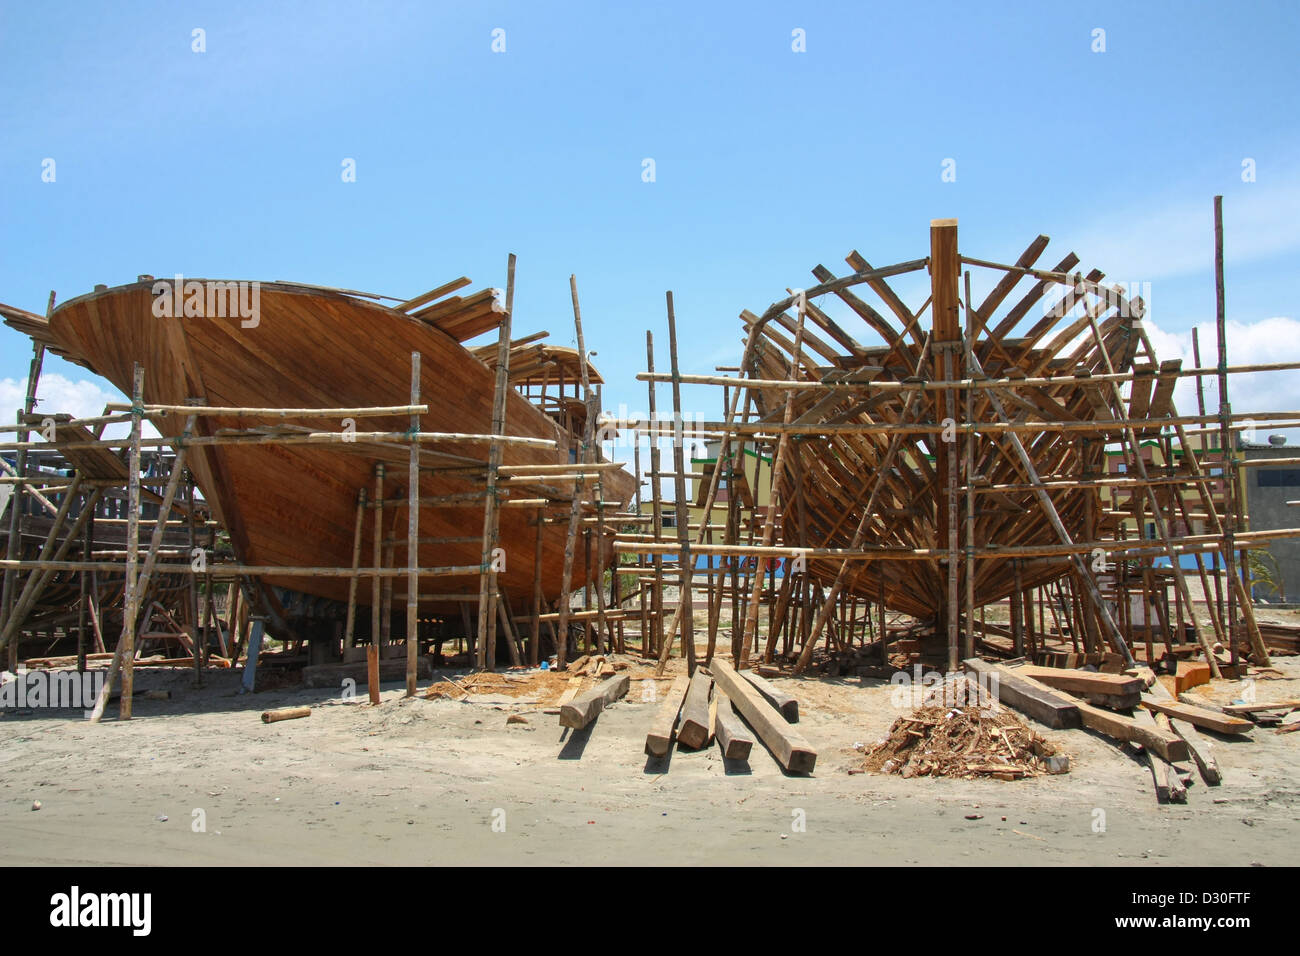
x=966 y=742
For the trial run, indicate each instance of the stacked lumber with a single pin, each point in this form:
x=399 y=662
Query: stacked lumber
x=1281 y=639
x=787 y=745
x=709 y=706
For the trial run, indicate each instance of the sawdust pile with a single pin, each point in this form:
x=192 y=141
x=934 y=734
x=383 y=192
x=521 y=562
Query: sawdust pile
x=542 y=685
x=963 y=742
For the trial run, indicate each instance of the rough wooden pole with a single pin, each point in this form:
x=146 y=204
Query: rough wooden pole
x=750 y=633
x=945 y=272
x=685 y=604
x=413 y=540
x=17 y=500
x=377 y=558
x=200 y=633
x=724 y=447
x=350 y=627
x=1232 y=491
x=131 y=611
x=535 y=626
x=487 y=595
x=575 y=508
x=657 y=519
x=972 y=324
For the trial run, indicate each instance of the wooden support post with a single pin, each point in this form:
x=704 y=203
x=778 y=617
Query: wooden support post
x=377 y=557
x=945 y=273
x=1232 y=505
x=200 y=632
x=487 y=617
x=131 y=605
x=83 y=582
x=657 y=525
x=575 y=510
x=17 y=505
x=685 y=613
x=750 y=634
x=723 y=450
x=535 y=626
x=972 y=323
x=413 y=539
x=350 y=626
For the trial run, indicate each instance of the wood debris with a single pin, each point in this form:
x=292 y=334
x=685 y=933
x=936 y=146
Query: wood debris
x=964 y=742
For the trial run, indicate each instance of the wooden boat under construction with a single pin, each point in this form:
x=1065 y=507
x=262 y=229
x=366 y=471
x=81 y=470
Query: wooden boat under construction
x=295 y=504
x=964 y=461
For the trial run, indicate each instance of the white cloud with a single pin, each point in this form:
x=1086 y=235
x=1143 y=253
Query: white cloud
x=1176 y=236
x=1249 y=343
x=56 y=394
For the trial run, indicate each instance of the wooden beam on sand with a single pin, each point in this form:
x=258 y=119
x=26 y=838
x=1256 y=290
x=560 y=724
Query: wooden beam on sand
x=1026 y=695
x=1169 y=746
x=585 y=708
x=695 y=731
x=786 y=744
x=733 y=737
x=1083 y=682
x=787 y=705
x=1199 y=716
x=660 y=738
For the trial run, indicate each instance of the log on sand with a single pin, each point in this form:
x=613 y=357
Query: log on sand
x=696 y=732
x=285 y=713
x=789 y=748
x=733 y=736
x=584 y=708
x=660 y=738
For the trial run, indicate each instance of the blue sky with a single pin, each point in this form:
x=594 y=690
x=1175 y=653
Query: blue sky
x=227 y=163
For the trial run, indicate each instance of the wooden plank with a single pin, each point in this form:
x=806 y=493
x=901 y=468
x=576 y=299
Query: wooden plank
x=788 y=747
x=1199 y=716
x=695 y=732
x=733 y=737
x=1202 y=751
x=660 y=737
x=1236 y=709
x=1083 y=682
x=584 y=708
x=1169 y=786
x=787 y=705
x=1038 y=701
x=1169 y=746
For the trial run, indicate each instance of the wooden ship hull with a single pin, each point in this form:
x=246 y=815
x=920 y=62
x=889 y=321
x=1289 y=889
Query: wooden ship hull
x=295 y=505
x=827 y=481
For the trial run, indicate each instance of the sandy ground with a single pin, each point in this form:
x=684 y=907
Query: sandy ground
x=450 y=782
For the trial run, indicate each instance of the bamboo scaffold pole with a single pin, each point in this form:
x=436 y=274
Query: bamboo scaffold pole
x=413 y=538
x=750 y=633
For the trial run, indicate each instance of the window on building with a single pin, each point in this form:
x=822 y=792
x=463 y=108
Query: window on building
x=1277 y=477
